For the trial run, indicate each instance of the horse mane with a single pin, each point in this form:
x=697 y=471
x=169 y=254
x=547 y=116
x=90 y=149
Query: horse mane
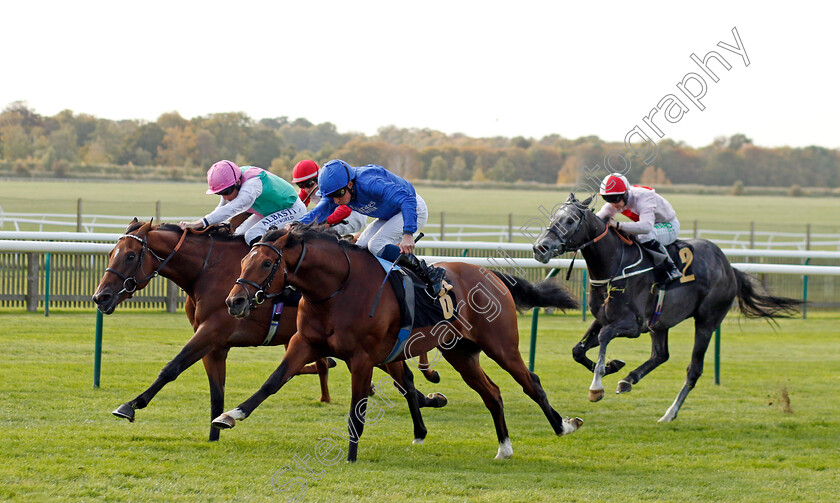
x=304 y=232
x=221 y=231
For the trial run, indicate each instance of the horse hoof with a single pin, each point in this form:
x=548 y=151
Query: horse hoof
x=669 y=416
x=438 y=398
x=325 y=399
x=124 y=411
x=433 y=376
x=614 y=366
x=624 y=387
x=417 y=441
x=224 y=422
x=596 y=394
x=331 y=363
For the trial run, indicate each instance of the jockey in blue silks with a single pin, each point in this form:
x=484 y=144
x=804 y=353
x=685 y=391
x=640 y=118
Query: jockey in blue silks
x=376 y=192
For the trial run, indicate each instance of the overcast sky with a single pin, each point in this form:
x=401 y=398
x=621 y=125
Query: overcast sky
x=482 y=68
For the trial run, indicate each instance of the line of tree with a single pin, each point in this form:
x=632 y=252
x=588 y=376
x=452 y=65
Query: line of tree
x=34 y=145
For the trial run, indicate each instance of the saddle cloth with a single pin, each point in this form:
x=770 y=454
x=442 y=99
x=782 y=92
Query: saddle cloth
x=682 y=254
x=417 y=308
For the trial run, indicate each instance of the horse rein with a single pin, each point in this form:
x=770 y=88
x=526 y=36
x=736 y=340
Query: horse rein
x=130 y=282
x=597 y=238
x=260 y=295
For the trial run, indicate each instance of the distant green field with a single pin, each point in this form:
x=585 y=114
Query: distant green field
x=460 y=205
x=768 y=433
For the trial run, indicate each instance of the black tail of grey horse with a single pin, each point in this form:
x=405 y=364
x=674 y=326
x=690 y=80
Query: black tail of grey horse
x=623 y=302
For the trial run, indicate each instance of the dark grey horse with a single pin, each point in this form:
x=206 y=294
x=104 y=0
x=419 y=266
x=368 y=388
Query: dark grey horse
x=623 y=302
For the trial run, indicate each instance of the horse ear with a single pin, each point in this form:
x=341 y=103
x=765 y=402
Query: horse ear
x=571 y=198
x=587 y=201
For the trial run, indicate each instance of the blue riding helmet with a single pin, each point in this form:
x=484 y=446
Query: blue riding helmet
x=334 y=176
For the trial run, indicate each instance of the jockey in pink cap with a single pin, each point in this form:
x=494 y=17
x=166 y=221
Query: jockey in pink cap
x=271 y=200
x=653 y=220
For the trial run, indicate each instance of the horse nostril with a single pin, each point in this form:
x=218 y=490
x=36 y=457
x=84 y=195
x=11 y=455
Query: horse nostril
x=101 y=298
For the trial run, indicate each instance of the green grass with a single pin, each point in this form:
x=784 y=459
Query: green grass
x=483 y=206
x=740 y=441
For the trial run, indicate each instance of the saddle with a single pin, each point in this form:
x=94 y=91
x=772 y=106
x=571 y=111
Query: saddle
x=417 y=308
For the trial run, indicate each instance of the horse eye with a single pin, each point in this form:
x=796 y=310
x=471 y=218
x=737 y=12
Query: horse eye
x=131 y=256
x=267 y=264
x=569 y=221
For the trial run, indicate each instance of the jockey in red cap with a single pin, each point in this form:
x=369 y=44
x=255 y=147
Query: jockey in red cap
x=653 y=220
x=343 y=220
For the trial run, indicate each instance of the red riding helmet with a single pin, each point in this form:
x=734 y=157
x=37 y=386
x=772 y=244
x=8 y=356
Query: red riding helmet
x=304 y=170
x=614 y=184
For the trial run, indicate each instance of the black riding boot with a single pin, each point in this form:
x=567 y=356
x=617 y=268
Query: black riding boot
x=430 y=274
x=662 y=259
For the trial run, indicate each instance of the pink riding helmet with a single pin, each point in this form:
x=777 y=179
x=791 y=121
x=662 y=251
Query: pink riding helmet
x=222 y=175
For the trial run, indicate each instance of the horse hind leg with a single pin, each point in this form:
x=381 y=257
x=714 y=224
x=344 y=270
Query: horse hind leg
x=465 y=360
x=702 y=336
x=658 y=356
x=511 y=361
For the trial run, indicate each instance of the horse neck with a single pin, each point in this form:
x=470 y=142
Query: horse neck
x=601 y=257
x=185 y=267
x=323 y=270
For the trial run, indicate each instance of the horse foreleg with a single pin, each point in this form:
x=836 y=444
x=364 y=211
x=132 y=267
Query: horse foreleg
x=403 y=380
x=201 y=343
x=361 y=373
x=322 y=365
x=608 y=333
x=589 y=341
x=658 y=356
x=215 y=364
x=300 y=353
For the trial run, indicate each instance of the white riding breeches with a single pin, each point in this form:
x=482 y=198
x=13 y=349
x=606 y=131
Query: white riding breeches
x=255 y=226
x=389 y=232
x=664 y=232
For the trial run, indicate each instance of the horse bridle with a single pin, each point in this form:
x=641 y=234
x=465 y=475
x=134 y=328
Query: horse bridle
x=130 y=283
x=260 y=295
x=563 y=242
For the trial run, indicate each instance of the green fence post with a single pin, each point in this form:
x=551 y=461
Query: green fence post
x=47 y=286
x=534 y=322
x=533 y=352
x=97 y=350
x=583 y=303
x=717 y=355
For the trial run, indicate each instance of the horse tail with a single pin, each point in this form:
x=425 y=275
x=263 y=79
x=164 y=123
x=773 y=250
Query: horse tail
x=754 y=304
x=540 y=294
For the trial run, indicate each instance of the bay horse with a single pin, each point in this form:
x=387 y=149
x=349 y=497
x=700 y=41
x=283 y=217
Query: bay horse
x=339 y=283
x=623 y=302
x=204 y=264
